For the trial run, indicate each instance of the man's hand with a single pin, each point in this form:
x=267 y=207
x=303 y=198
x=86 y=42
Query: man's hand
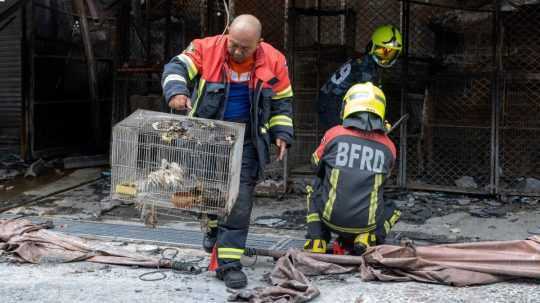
x=180 y=102
x=282 y=146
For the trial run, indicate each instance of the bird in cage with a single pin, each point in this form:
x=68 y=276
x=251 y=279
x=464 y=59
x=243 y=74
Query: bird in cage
x=171 y=130
x=168 y=175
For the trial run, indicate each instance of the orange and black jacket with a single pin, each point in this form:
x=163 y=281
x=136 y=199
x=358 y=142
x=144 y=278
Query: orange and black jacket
x=351 y=168
x=204 y=68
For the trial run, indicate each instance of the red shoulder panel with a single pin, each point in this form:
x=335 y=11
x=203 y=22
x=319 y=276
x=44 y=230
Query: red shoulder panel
x=339 y=130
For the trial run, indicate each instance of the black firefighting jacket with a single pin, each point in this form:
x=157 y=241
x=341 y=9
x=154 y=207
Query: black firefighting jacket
x=351 y=169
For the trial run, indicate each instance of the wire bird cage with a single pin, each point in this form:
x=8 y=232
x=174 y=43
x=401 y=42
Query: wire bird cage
x=174 y=163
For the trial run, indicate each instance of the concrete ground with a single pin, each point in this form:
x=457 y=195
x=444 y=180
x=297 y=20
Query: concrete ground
x=428 y=217
x=89 y=282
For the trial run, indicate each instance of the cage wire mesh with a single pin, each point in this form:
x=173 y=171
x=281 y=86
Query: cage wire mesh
x=450 y=146
x=519 y=129
x=152 y=39
x=323 y=39
x=272 y=16
x=370 y=15
x=449 y=85
x=171 y=162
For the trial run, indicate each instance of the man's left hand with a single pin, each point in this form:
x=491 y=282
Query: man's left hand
x=282 y=146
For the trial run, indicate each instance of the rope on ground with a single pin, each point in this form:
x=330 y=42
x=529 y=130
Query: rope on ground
x=188 y=267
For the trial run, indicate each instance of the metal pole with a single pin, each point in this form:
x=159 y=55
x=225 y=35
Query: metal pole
x=402 y=181
x=495 y=99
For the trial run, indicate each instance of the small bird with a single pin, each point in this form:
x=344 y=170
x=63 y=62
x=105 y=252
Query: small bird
x=169 y=174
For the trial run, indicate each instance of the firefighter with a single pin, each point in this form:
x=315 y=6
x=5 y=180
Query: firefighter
x=381 y=52
x=352 y=162
x=235 y=77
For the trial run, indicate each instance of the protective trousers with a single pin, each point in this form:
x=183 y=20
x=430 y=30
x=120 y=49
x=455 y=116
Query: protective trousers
x=318 y=229
x=232 y=230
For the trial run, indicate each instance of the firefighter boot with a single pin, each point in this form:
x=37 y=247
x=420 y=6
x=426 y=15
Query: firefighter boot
x=210 y=237
x=317 y=246
x=232 y=275
x=362 y=242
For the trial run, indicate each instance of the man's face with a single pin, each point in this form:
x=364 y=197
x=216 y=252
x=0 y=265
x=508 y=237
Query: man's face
x=241 y=46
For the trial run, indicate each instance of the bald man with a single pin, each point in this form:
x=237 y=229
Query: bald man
x=235 y=77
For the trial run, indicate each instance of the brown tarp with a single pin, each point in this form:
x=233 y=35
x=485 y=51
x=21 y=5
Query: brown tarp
x=453 y=264
x=24 y=241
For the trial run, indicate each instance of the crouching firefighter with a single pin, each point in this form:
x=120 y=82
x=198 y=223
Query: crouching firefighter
x=352 y=162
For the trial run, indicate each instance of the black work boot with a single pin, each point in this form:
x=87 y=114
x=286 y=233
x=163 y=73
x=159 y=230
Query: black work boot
x=358 y=249
x=209 y=240
x=232 y=275
x=362 y=242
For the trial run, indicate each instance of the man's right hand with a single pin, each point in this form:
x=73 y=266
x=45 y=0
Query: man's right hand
x=180 y=102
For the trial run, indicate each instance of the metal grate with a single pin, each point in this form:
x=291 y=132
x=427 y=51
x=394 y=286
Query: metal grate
x=176 y=162
x=160 y=236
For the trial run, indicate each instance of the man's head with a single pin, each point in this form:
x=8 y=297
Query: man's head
x=244 y=37
x=385 y=45
x=364 y=107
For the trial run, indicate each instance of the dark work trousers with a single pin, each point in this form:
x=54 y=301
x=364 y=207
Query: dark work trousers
x=329 y=108
x=232 y=230
x=319 y=230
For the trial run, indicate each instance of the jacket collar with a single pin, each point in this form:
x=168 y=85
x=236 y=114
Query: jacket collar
x=262 y=70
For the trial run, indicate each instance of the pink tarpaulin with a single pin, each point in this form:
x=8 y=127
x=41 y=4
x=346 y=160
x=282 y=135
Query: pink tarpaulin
x=454 y=264
x=33 y=243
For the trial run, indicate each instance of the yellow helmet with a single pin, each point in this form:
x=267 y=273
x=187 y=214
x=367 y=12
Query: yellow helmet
x=364 y=97
x=386 y=44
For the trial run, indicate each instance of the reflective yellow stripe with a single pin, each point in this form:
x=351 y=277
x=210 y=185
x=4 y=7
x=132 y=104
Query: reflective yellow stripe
x=386 y=227
x=231 y=250
x=280 y=120
x=212 y=223
x=309 y=190
x=332 y=194
x=362 y=238
x=313 y=218
x=263 y=130
x=230 y=253
x=374 y=201
x=349 y=230
x=395 y=217
x=199 y=94
x=286 y=93
x=315 y=159
x=192 y=68
x=234 y=257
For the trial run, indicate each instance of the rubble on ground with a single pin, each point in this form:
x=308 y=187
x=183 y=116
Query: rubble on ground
x=417 y=207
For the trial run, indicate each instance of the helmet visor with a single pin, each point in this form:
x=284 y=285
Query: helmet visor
x=385 y=56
